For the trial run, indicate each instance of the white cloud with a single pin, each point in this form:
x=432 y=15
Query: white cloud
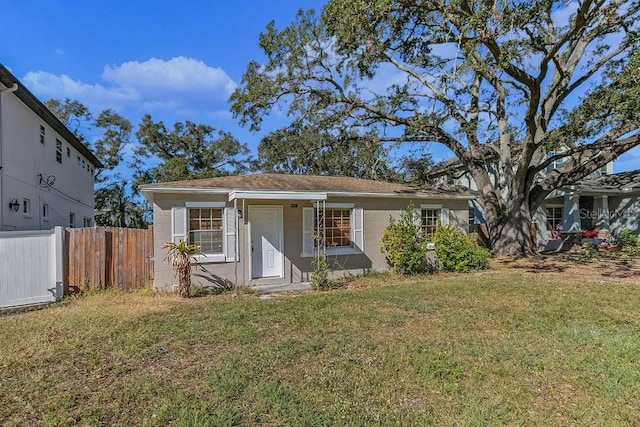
x=178 y=75
x=48 y=85
x=177 y=85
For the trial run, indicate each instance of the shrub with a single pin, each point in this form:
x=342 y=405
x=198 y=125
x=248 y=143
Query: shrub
x=629 y=243
x=404 y=245
x=458 y=252
x=320 y=274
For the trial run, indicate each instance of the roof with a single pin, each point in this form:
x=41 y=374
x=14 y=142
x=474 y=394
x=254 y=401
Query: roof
x=612 y=183
x=334 y=185
x=29 y=99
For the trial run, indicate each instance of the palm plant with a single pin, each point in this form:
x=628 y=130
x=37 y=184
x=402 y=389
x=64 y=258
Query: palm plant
x=179 y=255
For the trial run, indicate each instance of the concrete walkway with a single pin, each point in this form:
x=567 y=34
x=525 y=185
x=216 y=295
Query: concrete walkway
x=270 y=289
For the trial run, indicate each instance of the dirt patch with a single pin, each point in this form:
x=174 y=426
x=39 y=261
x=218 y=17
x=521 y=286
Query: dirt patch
x=577 y=267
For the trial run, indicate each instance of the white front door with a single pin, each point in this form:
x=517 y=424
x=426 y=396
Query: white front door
x=266 y=241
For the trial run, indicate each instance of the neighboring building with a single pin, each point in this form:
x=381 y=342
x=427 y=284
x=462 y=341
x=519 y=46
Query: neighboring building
x=609 y=203
x=604 y=200
x=265 y=228
x=46 y=173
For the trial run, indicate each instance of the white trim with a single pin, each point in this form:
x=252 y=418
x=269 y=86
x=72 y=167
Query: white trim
x=209 y=258
x=205 y=204
x=343 y=251
x=401 y=195
x=336 y=205
x=431 y=206
x=177 y=234
x=276 y=195
x=299 y=195
x=553 y=205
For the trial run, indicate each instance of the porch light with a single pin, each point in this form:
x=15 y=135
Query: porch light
x=14 y=205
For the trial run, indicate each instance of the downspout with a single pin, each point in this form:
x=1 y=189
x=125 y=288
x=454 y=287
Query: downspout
x=11 y=89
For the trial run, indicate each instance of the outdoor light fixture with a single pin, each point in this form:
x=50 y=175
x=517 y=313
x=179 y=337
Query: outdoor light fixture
x=240 y=213
x=14 y=205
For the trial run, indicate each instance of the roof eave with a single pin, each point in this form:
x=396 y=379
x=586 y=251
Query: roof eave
x=35 y=105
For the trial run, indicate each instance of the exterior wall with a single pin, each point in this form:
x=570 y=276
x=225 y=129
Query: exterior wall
x=624 y=213
x=24 y=160
x=296 y=267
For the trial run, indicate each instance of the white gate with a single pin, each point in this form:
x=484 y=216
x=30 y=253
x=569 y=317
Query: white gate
x=31 y=265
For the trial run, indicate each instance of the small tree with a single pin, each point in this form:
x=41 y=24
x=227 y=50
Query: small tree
x=403 y=243
x=179 y=255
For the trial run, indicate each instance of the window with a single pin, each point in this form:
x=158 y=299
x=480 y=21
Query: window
x=45 y=212
x=554 y=218
x=553 y=165
x=72 y=219
x=336 y=227
x=26 y=207
x=58 y=151
x=205 y=229
x=68 y=152
x=84 y=164
x=430 y=218
x=42 y=134
x=87 y=222
x=79 y=162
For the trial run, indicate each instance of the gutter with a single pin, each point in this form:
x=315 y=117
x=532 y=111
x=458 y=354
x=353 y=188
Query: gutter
x=11 y=89
x=292 y=194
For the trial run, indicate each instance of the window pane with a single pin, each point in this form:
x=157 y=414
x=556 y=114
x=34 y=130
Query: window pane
x=205 y=229
x=430 y=222
x=337 y=227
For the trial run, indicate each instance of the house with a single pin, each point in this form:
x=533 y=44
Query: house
x=46 y=173
x=265 y=228
x=603 y=200
x=607 y=202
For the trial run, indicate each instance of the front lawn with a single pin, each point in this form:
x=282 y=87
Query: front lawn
x=494 y=348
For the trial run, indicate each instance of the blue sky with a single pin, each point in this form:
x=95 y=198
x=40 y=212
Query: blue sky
x=174 y=60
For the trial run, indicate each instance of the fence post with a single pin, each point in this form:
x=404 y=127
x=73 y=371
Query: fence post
x=120 y=259
x=58 y=236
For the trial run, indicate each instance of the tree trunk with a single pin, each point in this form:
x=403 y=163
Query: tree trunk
x=512 y=236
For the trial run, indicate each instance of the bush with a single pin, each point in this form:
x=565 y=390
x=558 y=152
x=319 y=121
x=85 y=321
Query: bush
x=404 y=245
x=320 y=274
x=629 y=243
x=458 y=252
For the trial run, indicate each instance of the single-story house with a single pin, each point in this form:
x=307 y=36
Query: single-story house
x=265 y=228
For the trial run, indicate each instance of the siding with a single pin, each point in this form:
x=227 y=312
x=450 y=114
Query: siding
x=296 y=268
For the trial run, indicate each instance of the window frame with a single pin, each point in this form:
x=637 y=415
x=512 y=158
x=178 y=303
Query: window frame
x=72 y=220
x=355 y=234
x=43 y=134
x=211 y=218
x=26 y=208
x=87 y=222
x=45 y=212
x=437 y=216
x=179 y=230
x=553 y=220
x=58 y=151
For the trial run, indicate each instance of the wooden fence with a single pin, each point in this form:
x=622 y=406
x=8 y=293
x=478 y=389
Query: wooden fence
x=108 y=257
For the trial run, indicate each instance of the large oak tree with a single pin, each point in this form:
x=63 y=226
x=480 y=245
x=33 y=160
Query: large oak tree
x=500 y=83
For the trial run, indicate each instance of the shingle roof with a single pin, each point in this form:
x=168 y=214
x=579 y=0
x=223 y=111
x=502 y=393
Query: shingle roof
x=621 y=181
x=285 y=182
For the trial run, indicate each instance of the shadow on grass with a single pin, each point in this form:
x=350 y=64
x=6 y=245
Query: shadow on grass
x=594 y=266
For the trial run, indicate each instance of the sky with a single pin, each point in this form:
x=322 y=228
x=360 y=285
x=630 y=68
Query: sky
x=174 y=60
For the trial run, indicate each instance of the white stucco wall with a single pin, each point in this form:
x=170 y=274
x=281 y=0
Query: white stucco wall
x=24 y=159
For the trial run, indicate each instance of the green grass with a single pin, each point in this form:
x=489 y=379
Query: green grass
x=499 y=348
